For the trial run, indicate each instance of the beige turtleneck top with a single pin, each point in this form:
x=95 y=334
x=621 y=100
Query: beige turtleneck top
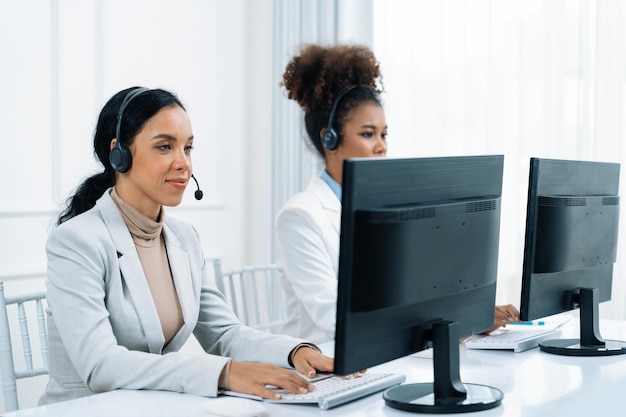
x=152 y=253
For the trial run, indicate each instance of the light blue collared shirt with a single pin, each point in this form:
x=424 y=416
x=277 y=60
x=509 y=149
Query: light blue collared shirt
x=334 y=185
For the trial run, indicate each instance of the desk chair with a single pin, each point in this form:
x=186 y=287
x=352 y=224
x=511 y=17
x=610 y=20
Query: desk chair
x=7 y=364
x=255 y=294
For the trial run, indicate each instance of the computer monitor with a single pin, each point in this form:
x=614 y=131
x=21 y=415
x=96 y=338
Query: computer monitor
x=570 y=248
x=417 y=268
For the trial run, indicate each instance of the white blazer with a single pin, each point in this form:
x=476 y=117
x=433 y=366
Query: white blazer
x=104 y=330
x=307 y=232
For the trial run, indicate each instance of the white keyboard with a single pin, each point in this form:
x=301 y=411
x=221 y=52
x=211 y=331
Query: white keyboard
x=517 y=340
x=336 y=390
x=332 y=390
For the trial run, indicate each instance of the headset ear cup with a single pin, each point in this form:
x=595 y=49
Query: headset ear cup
x=330 y=140
x=120 y=157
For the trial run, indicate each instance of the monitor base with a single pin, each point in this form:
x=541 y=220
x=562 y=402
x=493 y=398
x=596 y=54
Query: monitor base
x=420 y=398
x=572 y=347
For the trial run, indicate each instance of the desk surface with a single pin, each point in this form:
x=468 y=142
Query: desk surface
x=534 y=383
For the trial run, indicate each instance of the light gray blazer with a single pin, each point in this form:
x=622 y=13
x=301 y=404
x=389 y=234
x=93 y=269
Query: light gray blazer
x=307 y=233
x=104 y=331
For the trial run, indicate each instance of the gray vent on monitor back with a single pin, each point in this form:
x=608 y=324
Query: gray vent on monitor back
x=562 y=201
x=480 y=206
x=407 y=213
x=574 y=201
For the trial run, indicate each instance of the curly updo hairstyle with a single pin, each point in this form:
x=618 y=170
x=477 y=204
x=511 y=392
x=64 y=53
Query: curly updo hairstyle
x=319 y=74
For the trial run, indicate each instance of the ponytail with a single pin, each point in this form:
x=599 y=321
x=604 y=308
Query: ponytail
x=87 y=194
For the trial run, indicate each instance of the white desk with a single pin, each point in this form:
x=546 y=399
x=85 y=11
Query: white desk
x=534 y=384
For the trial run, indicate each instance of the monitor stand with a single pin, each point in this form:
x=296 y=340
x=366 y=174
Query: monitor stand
x=590 y=342
x=447 y=394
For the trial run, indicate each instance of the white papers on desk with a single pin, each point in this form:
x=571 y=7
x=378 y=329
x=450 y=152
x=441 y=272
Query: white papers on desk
x=519 y=336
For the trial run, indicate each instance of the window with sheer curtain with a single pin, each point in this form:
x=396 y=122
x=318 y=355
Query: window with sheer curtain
x=523 y=78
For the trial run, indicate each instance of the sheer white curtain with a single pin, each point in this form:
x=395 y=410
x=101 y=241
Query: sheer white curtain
x=296 y=22
x=521 y=78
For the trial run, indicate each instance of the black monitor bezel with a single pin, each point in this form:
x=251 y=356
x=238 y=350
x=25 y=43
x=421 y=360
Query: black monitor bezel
x=441 y=179
x=567 y=178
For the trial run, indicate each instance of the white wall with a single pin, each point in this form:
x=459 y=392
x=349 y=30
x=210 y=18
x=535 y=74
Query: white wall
x=61 y=61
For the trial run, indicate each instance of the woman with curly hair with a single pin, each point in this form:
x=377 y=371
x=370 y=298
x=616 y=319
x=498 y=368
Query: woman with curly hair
x=338 y=87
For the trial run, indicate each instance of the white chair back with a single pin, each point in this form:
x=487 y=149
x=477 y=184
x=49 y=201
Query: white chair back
x=255 y=294
x=10 y=375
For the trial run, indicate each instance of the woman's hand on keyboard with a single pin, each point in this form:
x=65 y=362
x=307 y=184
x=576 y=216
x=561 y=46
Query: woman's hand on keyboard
x=504 y=315
x=308 y=361
x=253 y=377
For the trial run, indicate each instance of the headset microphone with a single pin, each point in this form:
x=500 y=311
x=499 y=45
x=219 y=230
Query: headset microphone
x=198 y=194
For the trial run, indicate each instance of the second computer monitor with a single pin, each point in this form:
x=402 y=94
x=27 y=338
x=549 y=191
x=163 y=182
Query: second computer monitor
x=570 y=248
x=417 y=267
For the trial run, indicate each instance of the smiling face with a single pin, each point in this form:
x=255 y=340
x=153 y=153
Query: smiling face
x=161 y=166
x=364 y=134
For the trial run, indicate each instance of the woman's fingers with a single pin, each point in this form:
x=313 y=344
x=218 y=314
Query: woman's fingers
x=253 y=378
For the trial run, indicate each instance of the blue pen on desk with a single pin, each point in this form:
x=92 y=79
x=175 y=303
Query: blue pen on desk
x=530 y=323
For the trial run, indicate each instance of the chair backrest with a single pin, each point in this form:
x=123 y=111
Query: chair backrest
x=23 y=305
x=255 y=294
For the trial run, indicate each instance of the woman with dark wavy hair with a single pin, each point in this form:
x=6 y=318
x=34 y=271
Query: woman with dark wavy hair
x=127 y=285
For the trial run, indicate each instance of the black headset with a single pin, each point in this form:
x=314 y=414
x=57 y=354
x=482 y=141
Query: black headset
x=330 y=138
x=120 y=156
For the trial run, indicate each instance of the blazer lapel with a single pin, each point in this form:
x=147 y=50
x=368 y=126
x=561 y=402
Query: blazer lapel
x=135 y=279
x=331 y=210
x=329 y=201
x=132 y=274
x=181 y=273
